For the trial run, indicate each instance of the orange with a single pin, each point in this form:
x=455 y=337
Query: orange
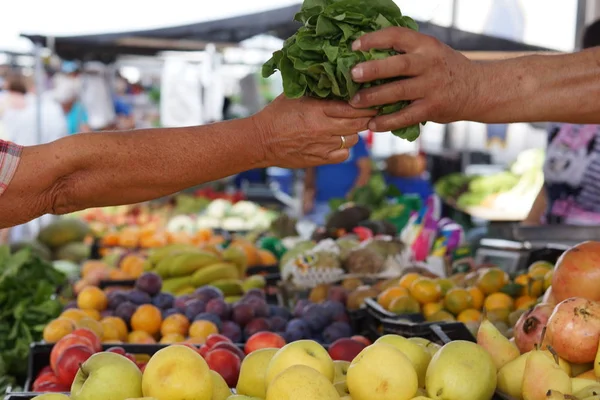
x=425 y=290
x=408 y=279
x=492 y=280
x=74 y=314
x=445 y=285
x=172 y=338
x=441 y=316
x=147 y=318
x=118 y=275
x=92 y=325
x=129 y=238
x=267 y=258
x=132 y=265
x=203 y=235
x=252 y=254
x=153 y=241
x=179 y=237
x=405 y=305
x=109 y=332
x=110 y=239
x=539 y=269
x=90 y=266
x=469 y=315
x=385 y=298
x=119 y=325
x=525 y=302
x=458 y=300
x=202 y=329
x=93 y=298
x=498 y=301
x=548 y=279
x=175 y=324
x=58 y=329
x=140 y=337
x=93 y=314
x=432 y=308
x=477 y=297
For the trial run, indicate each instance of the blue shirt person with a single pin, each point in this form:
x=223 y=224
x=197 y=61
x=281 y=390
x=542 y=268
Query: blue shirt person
x=327 y=182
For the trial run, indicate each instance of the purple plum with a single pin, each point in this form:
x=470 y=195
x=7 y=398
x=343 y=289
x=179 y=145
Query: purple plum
x=299 y=307
x=336 y=331
x=209 y=317
x=260 y=306
x=242 y=313
x=255 y=326
x=193 y=308
x=125 y=311
x=171 y=311
x=179 y=302
x=138 y=297
x=219 y=308
x=334 y=309
x=207 y=293
x=278 y=311
x=232 y=331
x=115 y=298
x=278 y=323
x=150 y=283
x=316 y=319
x=164 y=301
x=255 y=293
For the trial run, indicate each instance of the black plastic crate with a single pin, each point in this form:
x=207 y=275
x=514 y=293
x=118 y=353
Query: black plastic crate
x=116 y=283
x=23 y=395
x=376 y=314
x=438 y=332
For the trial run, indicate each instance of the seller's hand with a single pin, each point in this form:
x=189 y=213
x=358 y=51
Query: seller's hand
x=307 y=132
x=440 y=81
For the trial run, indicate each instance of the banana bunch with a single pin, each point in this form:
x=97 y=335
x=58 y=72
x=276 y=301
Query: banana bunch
x=184 y=268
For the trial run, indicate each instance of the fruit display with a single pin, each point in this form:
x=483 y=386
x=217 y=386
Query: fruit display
x=28 y=301
x=513 y=190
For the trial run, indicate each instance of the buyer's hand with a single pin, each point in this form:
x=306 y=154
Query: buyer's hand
x=440 y=81
x=307 y=132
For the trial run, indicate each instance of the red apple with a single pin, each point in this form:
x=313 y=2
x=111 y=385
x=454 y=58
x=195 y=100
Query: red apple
x=62 y=344
x=231 y=347
x=49 y=383
x=142 y=366
x=226 y=363
x=215 y=338
x=87 y=333
x=362 y=339
x=45 y=371
x=131 y=357
x=69 y=361
x=117 y=350
x=345 y=349
x=264 y=340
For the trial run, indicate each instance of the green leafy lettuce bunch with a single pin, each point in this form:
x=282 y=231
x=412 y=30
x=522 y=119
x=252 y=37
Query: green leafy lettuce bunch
x=317 y=60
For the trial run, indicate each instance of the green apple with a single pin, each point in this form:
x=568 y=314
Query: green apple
x=252 y=373
x=220 y=389
x=124 y=376
x=301 y=382
x=342 y=388
x=341 y=369
x=177 y=373
x=416 y=353
x=431 y=347
x=301 y=352
x=382 y=372
x=51 y=396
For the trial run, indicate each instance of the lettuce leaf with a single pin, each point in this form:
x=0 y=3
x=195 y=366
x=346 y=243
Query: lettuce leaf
x=317 y=60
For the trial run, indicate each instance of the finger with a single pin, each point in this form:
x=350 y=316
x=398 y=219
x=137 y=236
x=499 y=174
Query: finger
x=335 y=143
x=338 y=156
x=400 y=39
x=390 y=93
x=391 y=67
x=341 y=109
x=346 y=126
x=351 y=141
x=413 y=114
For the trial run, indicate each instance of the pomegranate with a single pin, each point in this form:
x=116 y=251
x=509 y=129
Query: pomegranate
x=573 y=330
x=549 y=297
x=577 y=273
x=529 y=327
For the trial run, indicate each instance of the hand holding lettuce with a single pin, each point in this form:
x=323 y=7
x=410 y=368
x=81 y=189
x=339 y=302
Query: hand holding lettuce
x=318 y=59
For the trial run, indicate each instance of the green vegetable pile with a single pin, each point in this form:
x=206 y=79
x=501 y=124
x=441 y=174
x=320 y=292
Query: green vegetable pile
x=318 y=59
x=27 y=303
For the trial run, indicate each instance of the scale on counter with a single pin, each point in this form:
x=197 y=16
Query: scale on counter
x=509 y=255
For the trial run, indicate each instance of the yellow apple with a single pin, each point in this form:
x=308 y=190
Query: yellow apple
x=415 y=352
x=177 y=373
x=301 y=352
x=51 y=396
x=90 y=381
x=252 y=373
x=301 y=382
x=382 y=372
x=341 y=369
x=220 y=389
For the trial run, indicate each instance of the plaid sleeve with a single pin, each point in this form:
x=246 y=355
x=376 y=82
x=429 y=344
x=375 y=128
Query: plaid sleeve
x=10 y=154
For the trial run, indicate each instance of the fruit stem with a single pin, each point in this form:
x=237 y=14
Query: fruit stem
x=553 y=352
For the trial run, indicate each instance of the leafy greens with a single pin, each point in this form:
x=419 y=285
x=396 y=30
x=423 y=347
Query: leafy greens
x=317 y=60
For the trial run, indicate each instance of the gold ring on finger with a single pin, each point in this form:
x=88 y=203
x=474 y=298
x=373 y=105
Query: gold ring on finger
x=343 y=146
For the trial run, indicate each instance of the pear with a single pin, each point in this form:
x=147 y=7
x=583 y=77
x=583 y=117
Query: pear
x=543 y=374
x=578 y=369
x=554 y=395
x=590 y=375
x=584 y=389
x=510 y=377
x=495 y=343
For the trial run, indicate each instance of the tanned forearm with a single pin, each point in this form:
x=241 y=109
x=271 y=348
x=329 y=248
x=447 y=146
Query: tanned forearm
x=99 y=169
x=558 y=88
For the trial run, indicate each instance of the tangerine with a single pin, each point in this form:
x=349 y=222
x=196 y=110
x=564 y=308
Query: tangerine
x=548 y=279
x=92 y=325
x=498 y=301
x=525 y=302
x=469 y=315
x=93 y=298
x=266 y=257
x=445 y=284
x=539 y=269
x=492 y=280
x=74 y=314
x=119 y=324
x=441 y=316
x=202 y=329
x=408 y=279
x=57 y=329
x=133 y=265
x=109 y=332
x=172 y=338
x=147 y=318
x=425 y=290
x=140 y=337
x=432 y=308
x=458 y=300
x=405 y=305
x=386 y=297
x=477 y=297
x=93 y=314
x=175 y=324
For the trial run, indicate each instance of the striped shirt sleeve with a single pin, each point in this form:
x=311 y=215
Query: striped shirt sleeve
x=10 y=154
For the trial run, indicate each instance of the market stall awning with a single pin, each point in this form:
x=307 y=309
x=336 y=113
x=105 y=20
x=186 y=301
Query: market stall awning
x=231 y=31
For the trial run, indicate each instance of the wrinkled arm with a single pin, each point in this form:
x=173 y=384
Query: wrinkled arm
x=559 y=88
x=95 y=170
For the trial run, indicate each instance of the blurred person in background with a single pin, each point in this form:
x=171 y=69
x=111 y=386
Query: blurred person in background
x=335 y=181
x=571 y=191
x=407 y=173
x=66 y=93
x=123 y=110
